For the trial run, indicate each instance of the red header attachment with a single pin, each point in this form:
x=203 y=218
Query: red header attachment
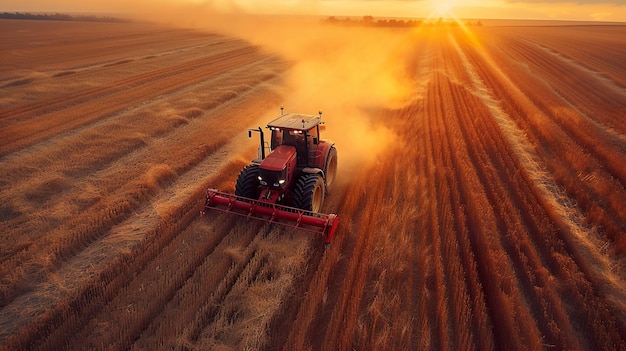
x=323 y=224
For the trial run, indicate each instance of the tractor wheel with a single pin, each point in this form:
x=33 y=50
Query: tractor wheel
x=248 y=182
x=331 y=169
x=309 y=193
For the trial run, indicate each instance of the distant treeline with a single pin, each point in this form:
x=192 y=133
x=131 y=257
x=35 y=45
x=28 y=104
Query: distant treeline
x=369 y=21
x=59 y=17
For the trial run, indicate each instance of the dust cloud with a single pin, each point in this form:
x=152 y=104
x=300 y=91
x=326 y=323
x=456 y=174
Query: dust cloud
x=350 y=73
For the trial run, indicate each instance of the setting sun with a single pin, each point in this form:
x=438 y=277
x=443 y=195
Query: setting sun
x=442 y=8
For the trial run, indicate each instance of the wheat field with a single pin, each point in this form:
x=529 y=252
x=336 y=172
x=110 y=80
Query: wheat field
x=480 y=189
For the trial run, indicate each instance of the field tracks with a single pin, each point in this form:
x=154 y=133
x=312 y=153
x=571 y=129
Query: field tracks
x=27 y=124
x=492 y=218
x=573 y=149
x=130 y=247
x=109 y=208
x=586 y=239
x=604 y=120
x=92 y=234
x=577 y=65
x=523 y=149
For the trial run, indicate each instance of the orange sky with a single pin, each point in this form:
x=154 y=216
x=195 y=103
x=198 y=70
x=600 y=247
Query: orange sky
x=588 y=10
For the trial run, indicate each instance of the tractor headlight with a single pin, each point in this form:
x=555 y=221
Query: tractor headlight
x=261 y=180
x=275 y=179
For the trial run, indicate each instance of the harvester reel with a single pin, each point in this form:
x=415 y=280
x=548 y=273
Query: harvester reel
x=309 y=193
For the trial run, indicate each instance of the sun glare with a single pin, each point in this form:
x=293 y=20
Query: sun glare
x=442 y=8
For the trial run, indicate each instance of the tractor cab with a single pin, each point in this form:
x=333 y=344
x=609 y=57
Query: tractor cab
x=298 y=130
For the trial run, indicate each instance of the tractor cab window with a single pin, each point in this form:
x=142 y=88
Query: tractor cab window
x=296 y=138
x=293 y=137
x=277 y=138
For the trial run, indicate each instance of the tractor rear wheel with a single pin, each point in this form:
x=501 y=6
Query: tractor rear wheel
x=248 y=184
x=331 y=169
x=309 y=193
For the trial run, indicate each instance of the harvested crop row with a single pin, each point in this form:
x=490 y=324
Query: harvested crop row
x=590 y=175
x=455 y=235
x=120 y=190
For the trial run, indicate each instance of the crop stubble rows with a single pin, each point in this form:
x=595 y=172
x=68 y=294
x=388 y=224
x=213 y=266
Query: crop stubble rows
x=494 y=260
x=447 y=242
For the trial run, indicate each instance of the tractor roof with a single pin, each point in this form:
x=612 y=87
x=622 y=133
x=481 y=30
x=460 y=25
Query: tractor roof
x=295 y=121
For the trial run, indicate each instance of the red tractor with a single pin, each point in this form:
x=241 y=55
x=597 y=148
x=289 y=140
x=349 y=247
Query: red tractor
x=288 y=186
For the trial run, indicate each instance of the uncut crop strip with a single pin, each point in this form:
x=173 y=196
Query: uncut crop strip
x=537 y=223
x=601 y=198
x=444 y=187
x=483 y=236
x=532 y=255
x=482 y=230
x=588 y=249
x=469 y=322
x=508 y=193
x=444 y=311
x=487 y=163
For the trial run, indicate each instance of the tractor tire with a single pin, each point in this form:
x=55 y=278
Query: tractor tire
x=309 y=193
x=330 y=171
x=248 y=184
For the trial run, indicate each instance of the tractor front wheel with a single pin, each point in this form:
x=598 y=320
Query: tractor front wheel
x=309 y=193
x=248 y=184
